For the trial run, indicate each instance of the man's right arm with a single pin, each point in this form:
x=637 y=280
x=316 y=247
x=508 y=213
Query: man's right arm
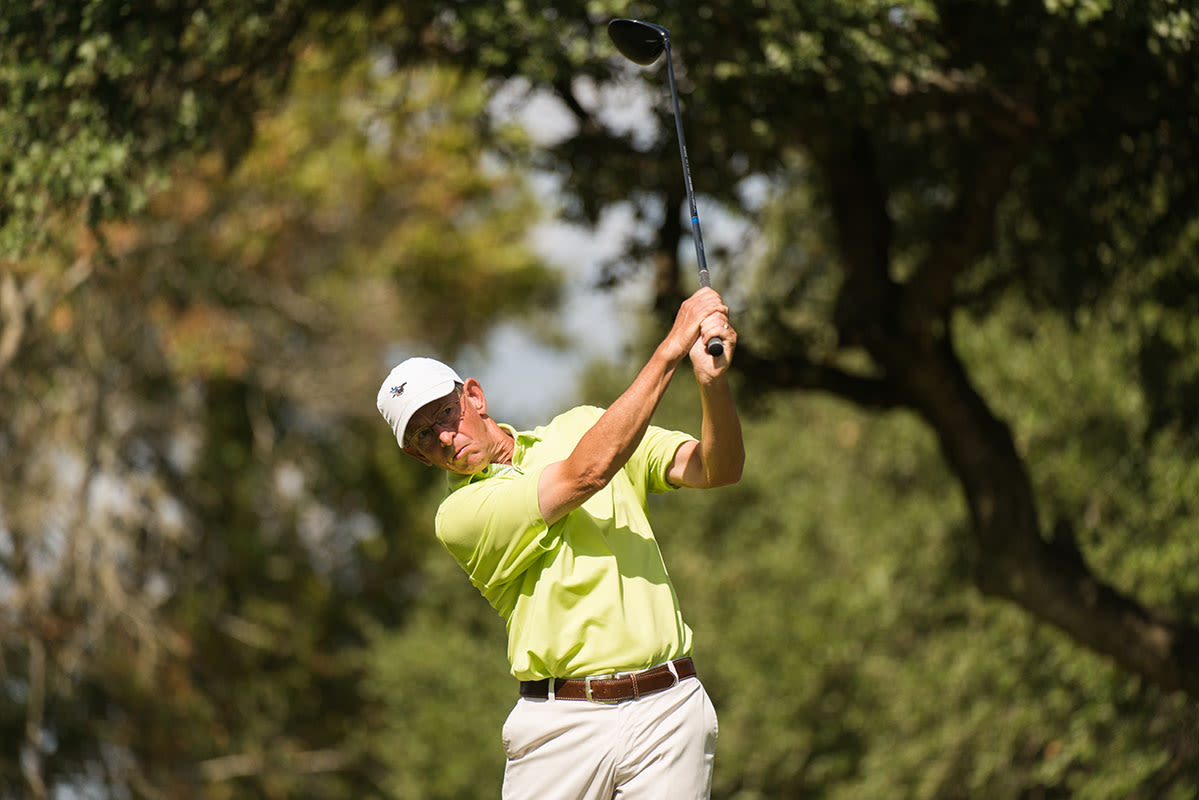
x=607 y=446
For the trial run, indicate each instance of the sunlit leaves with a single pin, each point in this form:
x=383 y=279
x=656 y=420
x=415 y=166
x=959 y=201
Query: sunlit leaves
x=836 y=564
x=96 y=95
x=194 y=483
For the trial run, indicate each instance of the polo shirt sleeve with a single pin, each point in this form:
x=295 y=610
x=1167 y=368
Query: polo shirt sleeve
x=650 y=463
x=494 y=527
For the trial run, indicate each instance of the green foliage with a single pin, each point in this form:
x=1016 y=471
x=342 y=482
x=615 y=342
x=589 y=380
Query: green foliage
x=239 y=521
x=836 y=625
x=219 y=573
x=442 y=690
x=97 y=95
x=1127 y=487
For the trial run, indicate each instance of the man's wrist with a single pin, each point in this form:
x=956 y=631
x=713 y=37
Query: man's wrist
x=671 y=355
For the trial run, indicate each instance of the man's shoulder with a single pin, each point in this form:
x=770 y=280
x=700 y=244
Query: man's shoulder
x=583 y=412
x=578 y=417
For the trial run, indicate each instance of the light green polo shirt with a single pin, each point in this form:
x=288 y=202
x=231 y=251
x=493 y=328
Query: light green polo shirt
x=588 y=595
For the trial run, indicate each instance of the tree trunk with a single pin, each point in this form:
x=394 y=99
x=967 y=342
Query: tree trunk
x=909 y=339
x=1047 y=577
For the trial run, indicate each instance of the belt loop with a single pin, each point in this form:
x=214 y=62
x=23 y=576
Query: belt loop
x=674 y=671
x=550 y=686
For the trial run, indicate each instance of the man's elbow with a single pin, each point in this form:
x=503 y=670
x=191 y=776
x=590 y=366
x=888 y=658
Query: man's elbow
x=590 y=483
x=562 y=489
x=726 y=475
x=727 y=480
x=584 y=480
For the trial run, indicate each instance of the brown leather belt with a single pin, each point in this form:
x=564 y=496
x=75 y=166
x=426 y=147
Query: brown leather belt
x=611 y=690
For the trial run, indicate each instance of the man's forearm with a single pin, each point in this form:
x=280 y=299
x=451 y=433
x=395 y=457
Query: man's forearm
x=721 y=448
x=609 y=444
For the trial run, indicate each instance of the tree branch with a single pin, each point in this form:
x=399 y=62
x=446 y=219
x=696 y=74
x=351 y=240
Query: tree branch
x=952 y=92
x=243 y=765
x=668 y=293
x=859 y=204
x=797 y=372
x=1048 y=579
x=1060 y=588
x=967 y=234
x=35 y=707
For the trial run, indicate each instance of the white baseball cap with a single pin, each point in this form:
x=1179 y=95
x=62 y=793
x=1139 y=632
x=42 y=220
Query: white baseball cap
x=412 y=384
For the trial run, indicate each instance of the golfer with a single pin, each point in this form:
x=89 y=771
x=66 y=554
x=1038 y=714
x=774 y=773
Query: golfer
x=551 y=527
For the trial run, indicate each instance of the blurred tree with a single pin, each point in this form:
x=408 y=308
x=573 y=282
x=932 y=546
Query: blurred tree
x=945 y=156
x=834 y=565
x=98 y=95
x=978 y=214
x=201 y=517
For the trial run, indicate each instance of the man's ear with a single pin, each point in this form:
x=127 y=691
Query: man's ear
x=472 y=392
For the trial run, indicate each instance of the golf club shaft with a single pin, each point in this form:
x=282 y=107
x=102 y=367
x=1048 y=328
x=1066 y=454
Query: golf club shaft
x=715 y=346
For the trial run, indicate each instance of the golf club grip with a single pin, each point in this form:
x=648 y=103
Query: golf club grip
x=715 y=345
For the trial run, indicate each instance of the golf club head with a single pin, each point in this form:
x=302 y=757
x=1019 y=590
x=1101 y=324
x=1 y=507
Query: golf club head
x=638 y=41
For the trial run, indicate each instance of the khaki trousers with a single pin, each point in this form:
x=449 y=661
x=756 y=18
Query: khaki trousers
x=659 y=747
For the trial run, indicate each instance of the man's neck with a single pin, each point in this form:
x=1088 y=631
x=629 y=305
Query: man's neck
x=506 y=444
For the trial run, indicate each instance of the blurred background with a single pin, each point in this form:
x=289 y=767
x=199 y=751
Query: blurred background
x=959 y=241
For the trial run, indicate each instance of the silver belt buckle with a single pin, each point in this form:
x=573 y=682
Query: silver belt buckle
x=590 y=698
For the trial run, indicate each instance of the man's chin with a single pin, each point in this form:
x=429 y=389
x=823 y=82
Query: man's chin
x=468 y=468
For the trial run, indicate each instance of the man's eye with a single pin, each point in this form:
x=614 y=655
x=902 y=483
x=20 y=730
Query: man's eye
x=445 y=413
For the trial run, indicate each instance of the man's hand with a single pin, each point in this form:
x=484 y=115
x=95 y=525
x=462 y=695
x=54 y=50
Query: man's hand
x=604 y=449
x=702 y=316
x=708 y=368
x=719 y=456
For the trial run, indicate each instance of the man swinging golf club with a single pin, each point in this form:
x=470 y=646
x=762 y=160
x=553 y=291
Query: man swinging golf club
x=551 y=526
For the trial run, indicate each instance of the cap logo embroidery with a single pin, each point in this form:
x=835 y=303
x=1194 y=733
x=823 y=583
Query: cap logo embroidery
x=396 y=391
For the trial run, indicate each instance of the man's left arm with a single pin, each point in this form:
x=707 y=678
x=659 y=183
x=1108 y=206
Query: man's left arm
x=719 y=455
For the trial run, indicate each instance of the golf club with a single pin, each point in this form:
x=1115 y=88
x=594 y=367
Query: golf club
x=642 y=42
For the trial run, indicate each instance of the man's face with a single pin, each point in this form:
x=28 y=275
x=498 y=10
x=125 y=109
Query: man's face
x=451 y=432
